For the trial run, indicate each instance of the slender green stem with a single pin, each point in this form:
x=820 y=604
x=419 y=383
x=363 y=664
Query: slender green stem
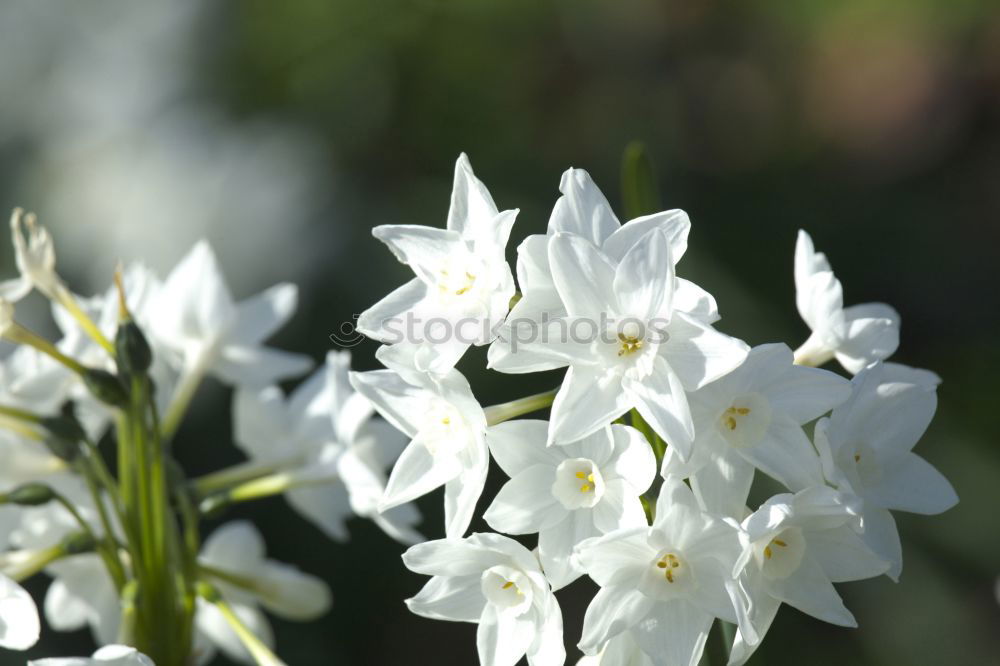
x=21 y=428
x=261 y=654
x=66 y=299
x=21 y=335
x=232 y=476
x=655 y=441
x=259 y=488
x=183 y=394
x=504 y=412
x=20 y=414
x=107 y=546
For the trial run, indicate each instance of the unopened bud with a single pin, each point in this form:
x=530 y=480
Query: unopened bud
x=77 y=543
x=105 y=386
x=132 y=349
x=64 y=436
x=30 y=494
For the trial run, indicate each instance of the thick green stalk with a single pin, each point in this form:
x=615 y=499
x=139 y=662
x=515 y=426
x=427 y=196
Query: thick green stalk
x=509 y=410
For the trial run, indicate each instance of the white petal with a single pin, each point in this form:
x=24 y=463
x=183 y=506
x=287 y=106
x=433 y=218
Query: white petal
x=583 y=276
x=462 y=492
x=525 y=504
x=661 y=401
x=502 y=638
x=547 y=648
x=258 y=366
x=452 y=598
x=632 y=458
x=470 y=200
x=582 y=210
x=19 y=625
x=556 y=544
x=424 y=249
x=235 y=546
x=723 y=484
x=384 y=320
x=809 y=590
x=786 y=454
x=416 y=473
x=695 y=302
x=518 y=445
x=882 y=536
x=910 y=483
x=871 y=333
x=292 y=594
x=612 y=611
x=403 y=405
x=452 y=557
x=674 y=224
x=674 y=633
x=843 y=555
x=644 y=280
x=587 y=401
x=621 y=557
x=698 y=353
x=619 y=508
x=258 y=317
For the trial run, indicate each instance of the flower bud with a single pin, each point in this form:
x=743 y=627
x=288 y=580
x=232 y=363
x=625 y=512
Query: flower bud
x=105 y=386
x=30 y=494
x=132 y=350
x=64 y=434
x=77 y=543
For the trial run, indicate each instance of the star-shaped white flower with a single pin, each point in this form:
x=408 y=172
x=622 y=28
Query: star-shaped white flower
x=866 y=446
x=664 y=584
x=323 y=437
x=627 y=347
x=447 y=431
x=495 y=582
x=752 y=418
x=583 y=210
x=463 y=284
x=196 y=319
x=568 y=493
x=794 y=548
x=856 y=336
x=35 y=256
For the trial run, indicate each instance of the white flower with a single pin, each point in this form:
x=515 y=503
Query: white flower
x=82 y=594
x=463 y=284
x=753 y=418
x=496 y=582
x=19 y=625
x=665 y=584
x=584 y=211
x=324 y=438
x=568 y=493
x=197 y=320
x=866 y=447
x=233 y=556
x=35 y=257
x=794 y=548
x=856 y=336
x=109 y=655
x=447 y=430
x=626 y=345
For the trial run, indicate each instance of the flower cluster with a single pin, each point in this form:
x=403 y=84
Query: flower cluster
x=640 y=477
x=90 y=493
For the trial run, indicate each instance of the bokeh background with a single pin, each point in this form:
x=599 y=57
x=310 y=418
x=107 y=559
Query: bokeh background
x=283 y=132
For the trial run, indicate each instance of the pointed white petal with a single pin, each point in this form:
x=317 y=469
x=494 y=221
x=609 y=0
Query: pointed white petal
x=612 y=611
x=587 y=401
x=452 y=598
x=525 y=504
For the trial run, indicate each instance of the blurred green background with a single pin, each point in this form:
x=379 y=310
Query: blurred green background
x=284 y=131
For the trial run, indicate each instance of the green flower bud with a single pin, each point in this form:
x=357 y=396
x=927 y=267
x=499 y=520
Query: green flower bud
x=77 y=543
x=105 y=386
x=30 y=494
x=64 y=434
x=132 y=350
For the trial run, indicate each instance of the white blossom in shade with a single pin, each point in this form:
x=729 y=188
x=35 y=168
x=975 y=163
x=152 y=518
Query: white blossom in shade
x=664 y=584
x=19 y=625
x=866 y=446
x=323 y=437
x=447 y=431
x=463 y=284
x=83 y=595
x=856 y=336
x=583 y=210
x=495 y=582
x=626 y=346
x=197 y=321
x=568 y=493
x=752 y=418
x=35 y=256
x=794 y=548
x=233 y=557
x=109 y=655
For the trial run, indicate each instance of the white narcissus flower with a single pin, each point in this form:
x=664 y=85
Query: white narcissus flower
x=583 y=210
x=752 y=418
x=463 y=284
x=495 y=582
x=233 y=557
x=19 y=625
x=568 y=493
x=197 y=320
x=447 y=431
x=866 y=446
x=856 y=336
x=335 y=454
x=625 y=345
x=794 y=548
x=35 y=256
x=109 y=655
x=665 y=584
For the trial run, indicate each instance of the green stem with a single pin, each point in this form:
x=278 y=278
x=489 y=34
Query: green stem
x=183 y=394
x=232 y=476
x=259 y=488
x=509 y=410
x=261 y=654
